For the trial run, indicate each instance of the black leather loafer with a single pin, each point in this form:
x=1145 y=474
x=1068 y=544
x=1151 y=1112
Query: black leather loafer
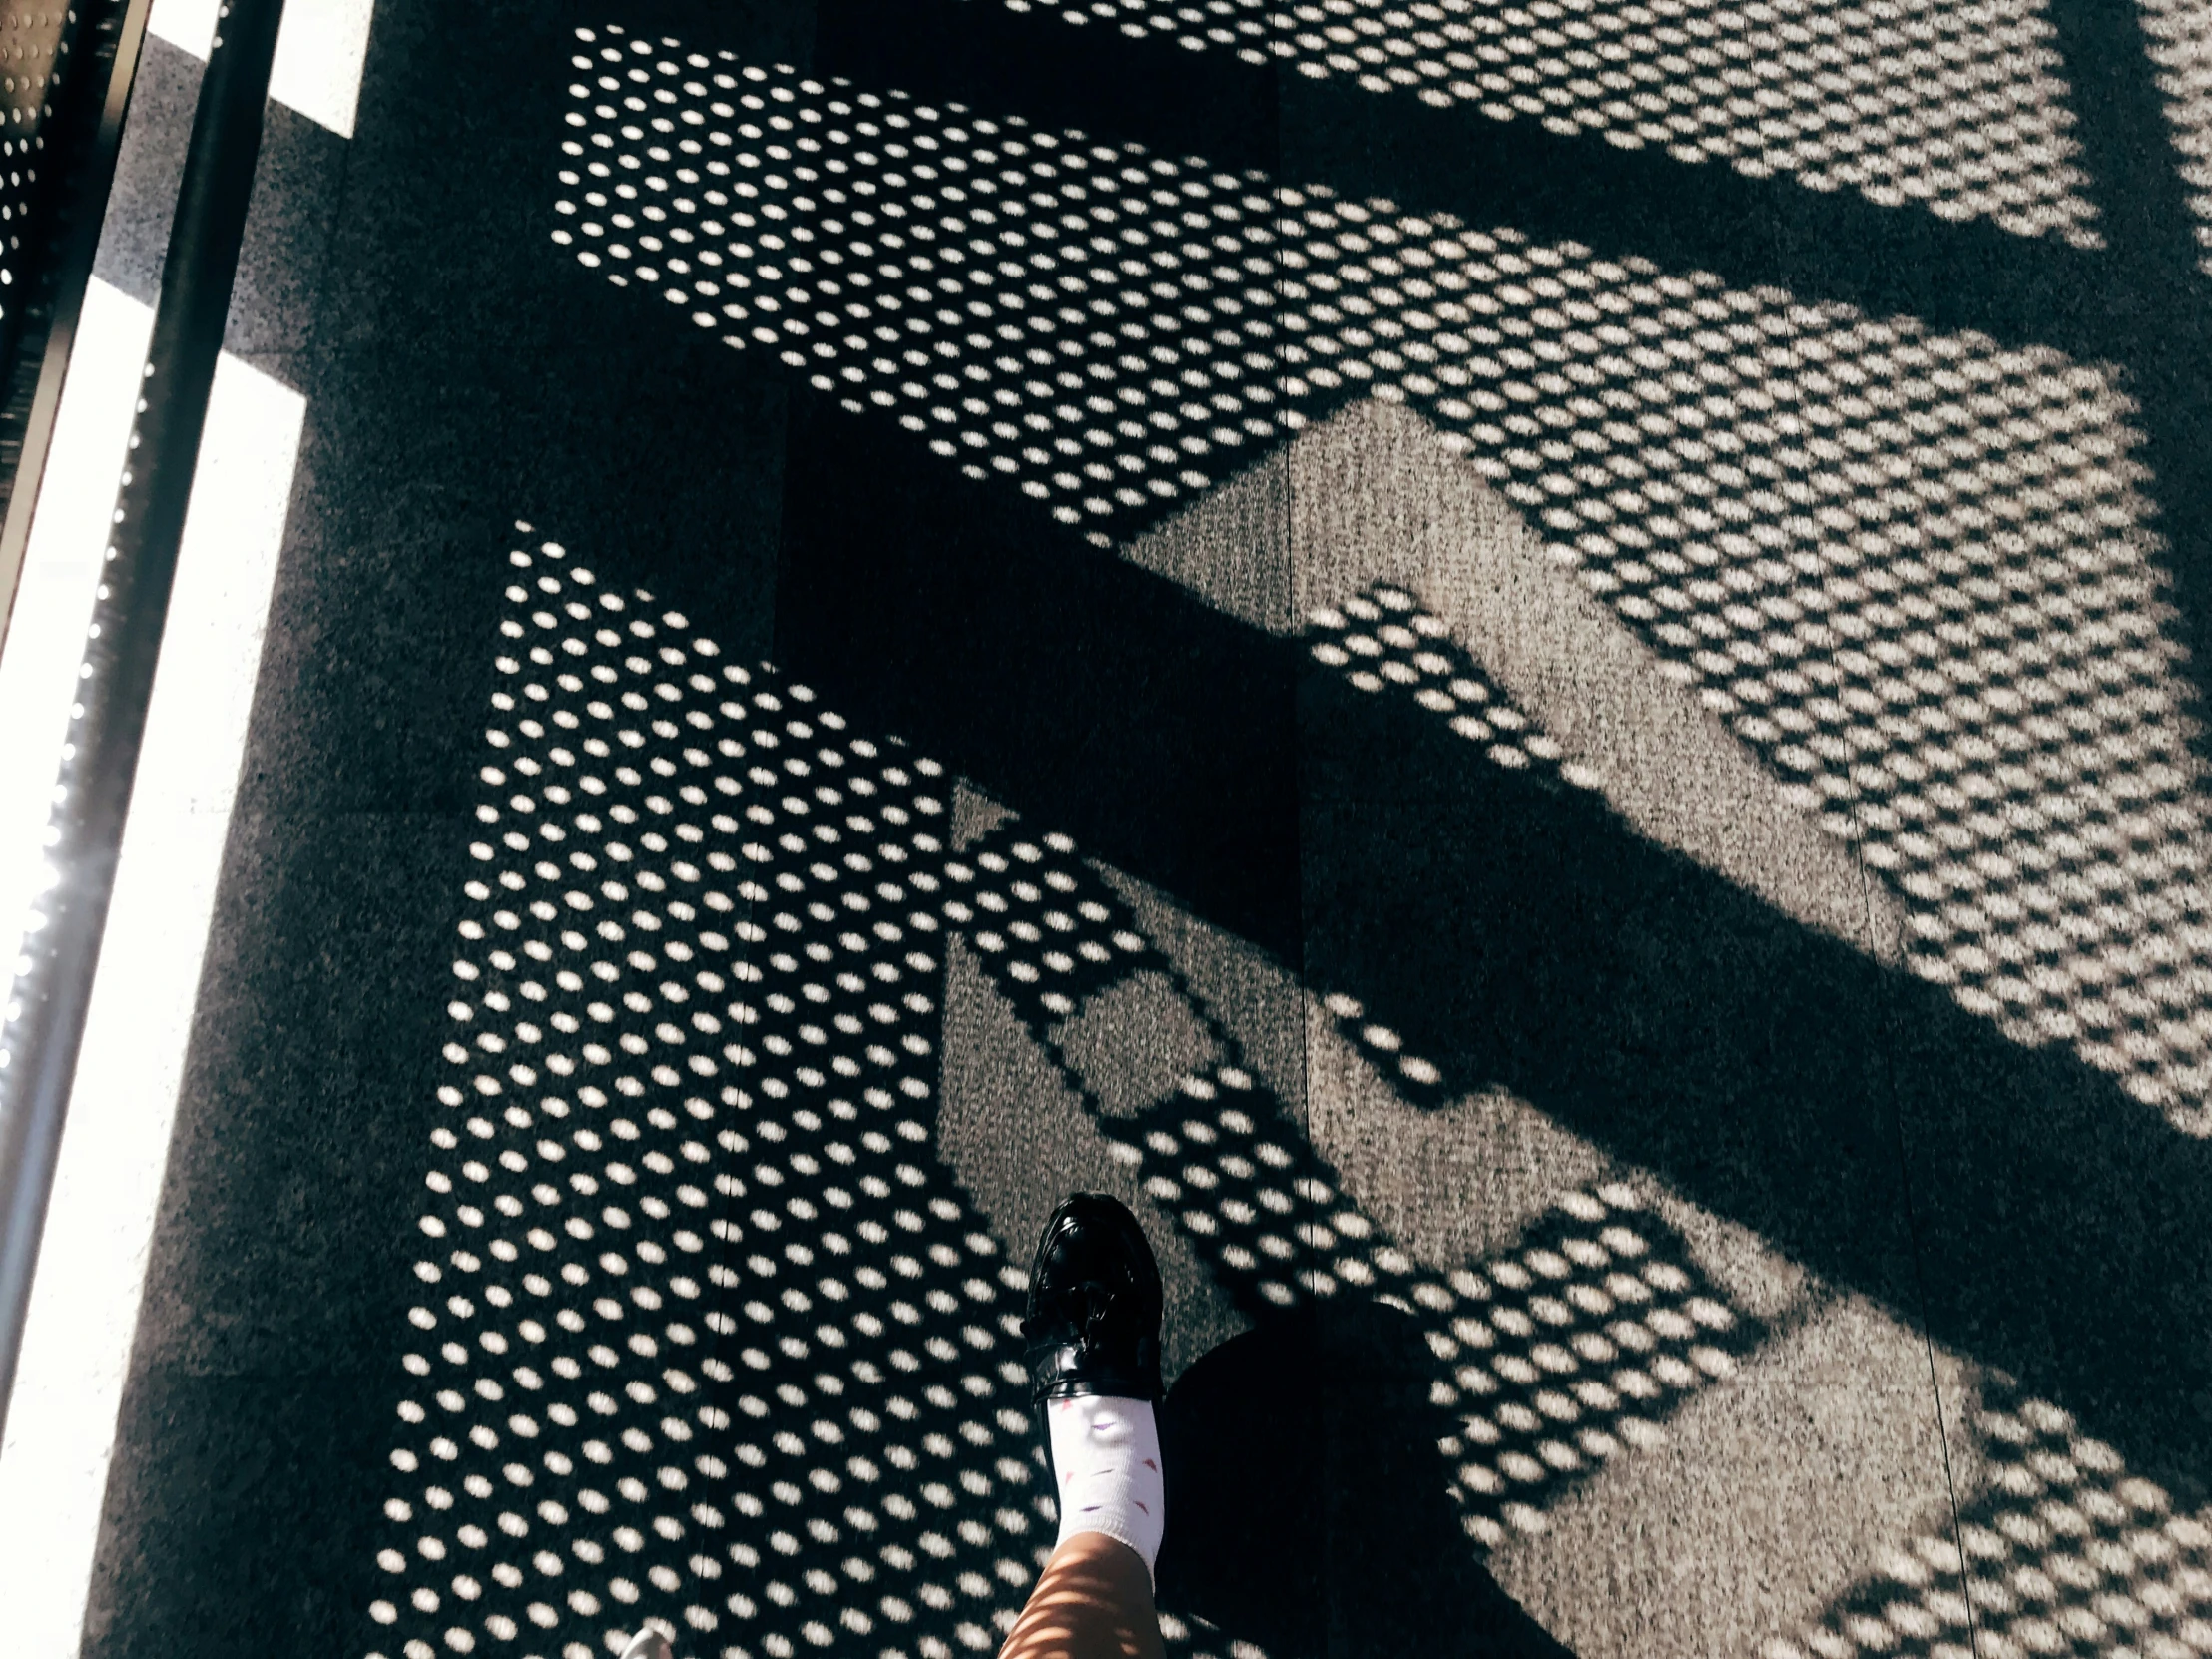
x=1094 y=1304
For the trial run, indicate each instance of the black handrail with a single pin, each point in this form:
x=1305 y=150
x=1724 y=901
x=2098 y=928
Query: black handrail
x=42 y=1038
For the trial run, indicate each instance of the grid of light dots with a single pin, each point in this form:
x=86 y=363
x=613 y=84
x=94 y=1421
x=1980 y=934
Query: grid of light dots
x=1909 y=568
x=1956 y=108
x=1385 y=641
x=574 y=1445
x=34 y=55
x=2180 y=44
x=1005 y=287
x=1554 y=1358
x=2068 y=1556
x=799 y=1141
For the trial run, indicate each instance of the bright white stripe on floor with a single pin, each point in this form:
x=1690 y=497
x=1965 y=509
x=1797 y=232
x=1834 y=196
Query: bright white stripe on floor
x=92 y=1265
x=61 y=567
x=320 y=51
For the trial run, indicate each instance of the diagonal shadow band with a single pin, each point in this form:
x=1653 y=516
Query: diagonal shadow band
x=2139 y=301
x=2153 y=292
x=1520 y=934
x=1752 y=231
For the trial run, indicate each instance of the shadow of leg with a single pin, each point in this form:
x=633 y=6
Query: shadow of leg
x=1306 y=1508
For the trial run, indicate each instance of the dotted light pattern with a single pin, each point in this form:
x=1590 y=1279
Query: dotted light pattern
x=1551 y=1360
x=1008 y=290
x=34 y=55
x=2180 y=34
x=1910 y=569
x=2067 y=1554
x=559 y=1434
x=647 y=1397
x=708 y=1334
x=1956 y=108
x=1387 y=643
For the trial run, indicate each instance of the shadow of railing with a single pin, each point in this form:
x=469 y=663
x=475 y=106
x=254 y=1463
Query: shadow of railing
x=1325 y=1466
x=1513 y=934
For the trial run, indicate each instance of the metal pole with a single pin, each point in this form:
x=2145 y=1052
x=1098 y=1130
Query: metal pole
x=46 y=1018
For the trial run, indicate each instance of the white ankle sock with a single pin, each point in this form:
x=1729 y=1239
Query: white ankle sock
x=1106 y=1455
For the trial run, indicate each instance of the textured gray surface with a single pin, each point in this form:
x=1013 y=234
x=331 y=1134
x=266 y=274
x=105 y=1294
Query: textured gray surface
x=1818 y=1455
x=1015 y=1134
x=1747 y=1284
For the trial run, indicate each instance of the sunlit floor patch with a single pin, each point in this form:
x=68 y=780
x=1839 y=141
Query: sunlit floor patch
x=2067 y=1553
x=1561 y=1353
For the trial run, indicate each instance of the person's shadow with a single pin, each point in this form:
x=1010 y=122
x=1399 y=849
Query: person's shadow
x=1306 y=1512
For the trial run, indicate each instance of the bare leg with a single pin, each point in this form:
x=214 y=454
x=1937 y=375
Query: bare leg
x=1094 y=1602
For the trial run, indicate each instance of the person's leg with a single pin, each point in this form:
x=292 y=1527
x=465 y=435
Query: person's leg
x=1094 y=1602
x=1094 y=1368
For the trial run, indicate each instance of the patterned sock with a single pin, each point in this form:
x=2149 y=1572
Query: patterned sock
x=1106 y=1454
